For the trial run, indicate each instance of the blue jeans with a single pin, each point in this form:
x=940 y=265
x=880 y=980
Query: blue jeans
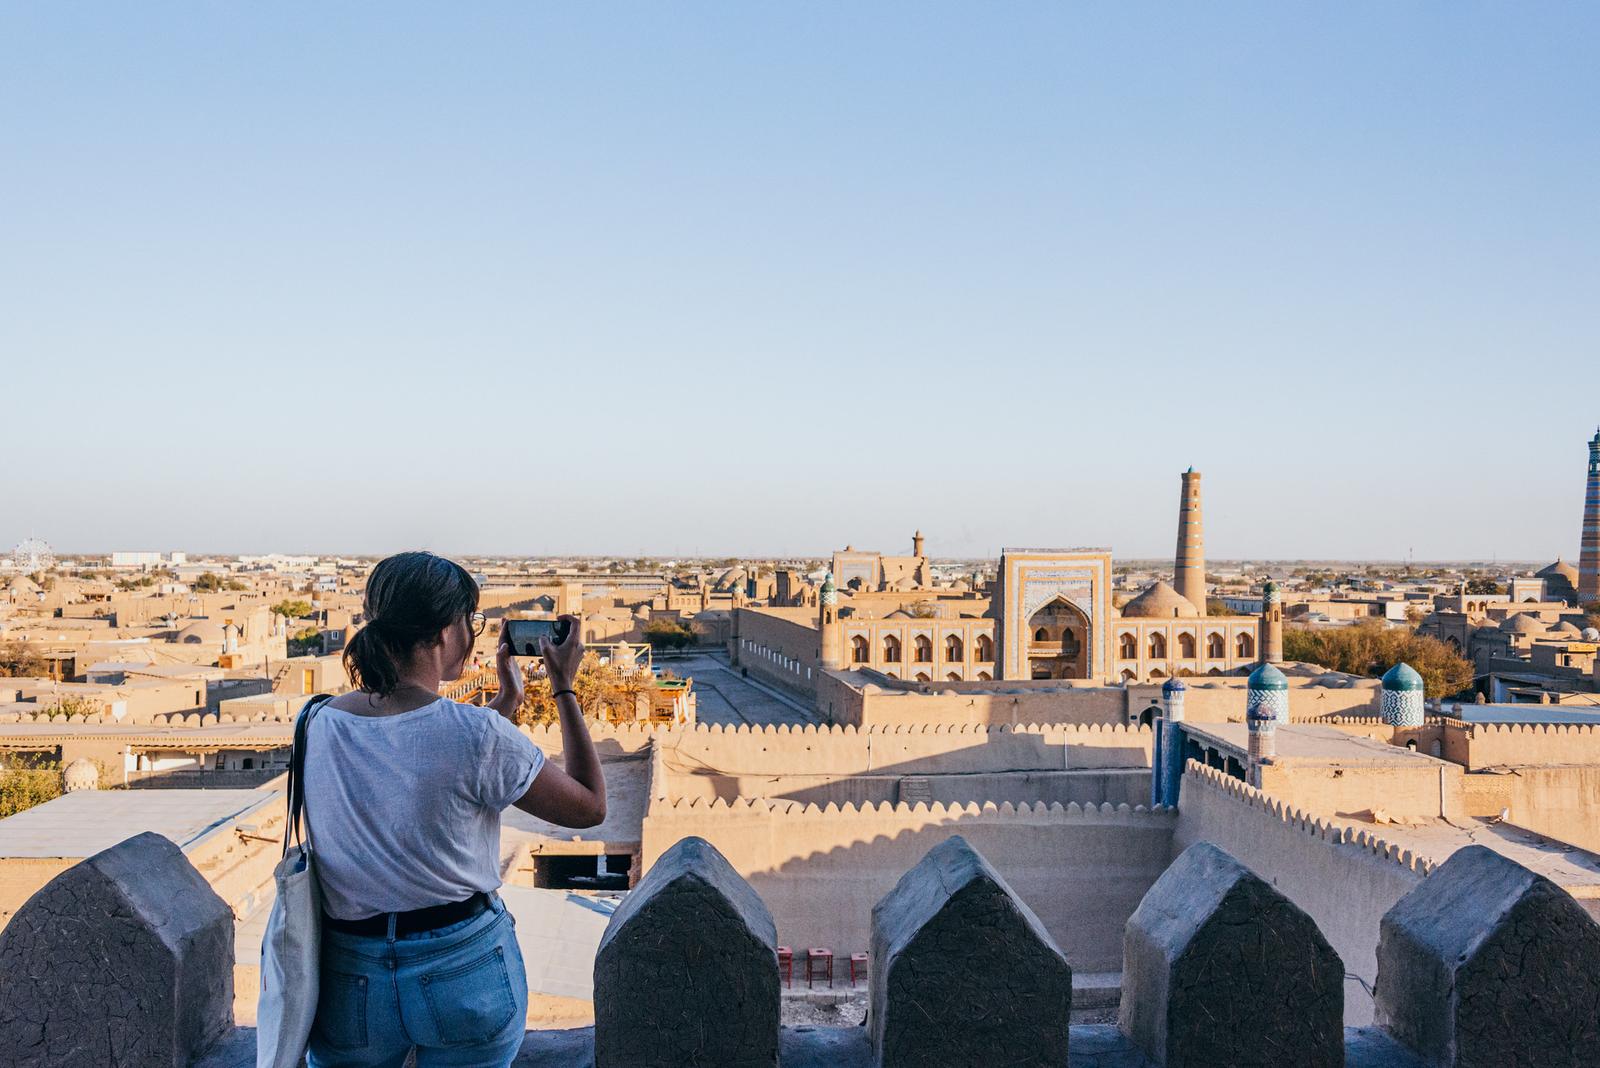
x=457 y=994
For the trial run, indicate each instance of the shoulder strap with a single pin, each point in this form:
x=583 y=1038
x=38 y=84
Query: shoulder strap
x=298 y=828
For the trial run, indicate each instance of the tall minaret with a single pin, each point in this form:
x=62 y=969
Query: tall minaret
x=1589 y=558
x=1271 y=624
x=1191 y=562
x=831 y=652
x=916 y=544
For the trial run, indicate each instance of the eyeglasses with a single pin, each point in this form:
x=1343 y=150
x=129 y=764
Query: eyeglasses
x=478 y=622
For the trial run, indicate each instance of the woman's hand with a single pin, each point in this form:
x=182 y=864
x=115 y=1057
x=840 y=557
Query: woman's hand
x=509 y=699
x=562 y=661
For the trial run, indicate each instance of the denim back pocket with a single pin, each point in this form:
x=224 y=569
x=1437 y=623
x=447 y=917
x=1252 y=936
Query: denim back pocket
x=342 y=1011
x=472 y=1003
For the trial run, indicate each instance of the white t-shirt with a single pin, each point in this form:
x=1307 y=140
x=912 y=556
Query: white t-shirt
x=404 y=810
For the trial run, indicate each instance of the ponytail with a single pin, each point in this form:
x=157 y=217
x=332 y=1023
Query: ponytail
x=410 y=599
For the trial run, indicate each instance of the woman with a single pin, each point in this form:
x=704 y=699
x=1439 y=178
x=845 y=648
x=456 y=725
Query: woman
x=404 y=791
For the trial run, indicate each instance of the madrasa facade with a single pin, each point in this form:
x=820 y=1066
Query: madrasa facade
x=1048 y=615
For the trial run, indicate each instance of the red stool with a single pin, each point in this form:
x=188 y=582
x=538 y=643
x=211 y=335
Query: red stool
x=786 y=964
x=823 y=957
x=857 y=961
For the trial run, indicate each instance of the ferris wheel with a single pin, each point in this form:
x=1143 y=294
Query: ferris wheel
x=32 y=554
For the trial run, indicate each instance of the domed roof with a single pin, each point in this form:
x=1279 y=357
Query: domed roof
x=1402 y=677
x=1268 y=677
x=1591 y=634
x=81 y=774
x=1173 y=685
x=1567 y=628
x=1523 y=623
x=1559 y=569
x=1159 y=601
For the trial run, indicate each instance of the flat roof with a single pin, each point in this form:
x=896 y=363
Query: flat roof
x=81 y=824
x=219 y=736
x=1305 y=743
x=1525 y=714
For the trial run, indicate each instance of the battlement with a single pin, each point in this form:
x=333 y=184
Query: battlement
x=1197 y=774
x=945 y=982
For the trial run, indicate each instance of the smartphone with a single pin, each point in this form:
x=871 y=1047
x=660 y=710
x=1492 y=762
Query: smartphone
x=524 y=634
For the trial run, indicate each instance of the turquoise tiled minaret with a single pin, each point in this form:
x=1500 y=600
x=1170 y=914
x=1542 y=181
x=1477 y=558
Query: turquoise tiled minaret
x=1402 y=697
x=1266 y=696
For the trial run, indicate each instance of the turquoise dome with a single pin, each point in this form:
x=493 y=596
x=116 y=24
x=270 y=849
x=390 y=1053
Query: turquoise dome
x=1402 y=677
x=1267 y=677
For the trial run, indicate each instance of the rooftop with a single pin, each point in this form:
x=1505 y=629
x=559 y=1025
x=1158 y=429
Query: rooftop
x=82 y=824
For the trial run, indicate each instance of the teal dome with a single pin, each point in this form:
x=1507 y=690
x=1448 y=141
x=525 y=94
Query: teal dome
x=1402 y=677
x=1267 y=677
x=827 y=583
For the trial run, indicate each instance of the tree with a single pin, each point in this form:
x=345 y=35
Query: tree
x=1370 y=648
x=23 y=788
x=1483 y=584
x=1216 y=607
x=211 y=582
x=668 y=634
x=605 y=691
x=18 y=661
x=292 y=609
x=305 y=642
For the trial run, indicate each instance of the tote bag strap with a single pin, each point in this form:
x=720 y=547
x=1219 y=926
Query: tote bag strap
x=298 y=828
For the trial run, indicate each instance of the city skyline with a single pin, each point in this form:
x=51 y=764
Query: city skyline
x=765 y=282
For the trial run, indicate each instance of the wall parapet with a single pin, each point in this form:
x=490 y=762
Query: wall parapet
x=1198 y=774
x=780 y=808
x=949 y=935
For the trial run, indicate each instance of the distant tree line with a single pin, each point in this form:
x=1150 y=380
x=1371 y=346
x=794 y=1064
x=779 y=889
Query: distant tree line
x=1370 y=648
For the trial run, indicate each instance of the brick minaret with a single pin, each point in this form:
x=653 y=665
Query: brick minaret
x=1191 y=563
x=1589 y=558
x=831 y=651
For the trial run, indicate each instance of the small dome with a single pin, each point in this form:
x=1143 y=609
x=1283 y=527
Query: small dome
x=1267 y=677
x=81 y=774
x=1159 y=601
x=1522 y=623
x=1402 y=677
x=1567 y=629
x=1559 y=569
x=1172 y=686
x=827 y=583
x=1591 y=634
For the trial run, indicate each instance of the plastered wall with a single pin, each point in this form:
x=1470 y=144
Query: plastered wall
x=821 y=869
x=1345 y=879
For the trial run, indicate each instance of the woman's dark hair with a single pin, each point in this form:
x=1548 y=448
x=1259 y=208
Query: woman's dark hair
x=410 y=598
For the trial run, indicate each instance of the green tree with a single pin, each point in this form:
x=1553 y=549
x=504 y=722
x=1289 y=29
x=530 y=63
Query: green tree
x=668 y=634
x=23 y=788
x=292 y=609
x=604 y=691
x=1370 y=648
x=1484 y=584
x=305 y=642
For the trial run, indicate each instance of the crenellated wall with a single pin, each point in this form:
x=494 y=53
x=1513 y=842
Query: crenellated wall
x=1081 y=868
x=1345 y=878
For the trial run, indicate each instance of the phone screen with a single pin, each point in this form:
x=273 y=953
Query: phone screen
x=524 y=634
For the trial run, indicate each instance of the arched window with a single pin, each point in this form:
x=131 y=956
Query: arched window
x=1158 y=646
x=860 y=650
x=1128 y=647
x=953 y=649
x=1246 y=644
x=985 y=649
x=984 y=676
x=891 y=649
x=1186 y=646
x=922 y=649
x=1041 y=635
x=1128 y=675
x=1216 y=648
x=1157 y=673
x=922 y=676
x=954 y=676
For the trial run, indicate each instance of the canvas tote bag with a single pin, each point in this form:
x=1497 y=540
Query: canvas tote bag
x=291 y=949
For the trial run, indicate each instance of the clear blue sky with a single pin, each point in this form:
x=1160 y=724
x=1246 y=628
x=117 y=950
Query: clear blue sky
x=360 y=277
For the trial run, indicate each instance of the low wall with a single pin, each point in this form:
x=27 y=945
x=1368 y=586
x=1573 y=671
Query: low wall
x=1345 y=879
x=1083 y=870
x=1483 y=745
x=1560 y=802
x=1428 y=791
x=1118 y=786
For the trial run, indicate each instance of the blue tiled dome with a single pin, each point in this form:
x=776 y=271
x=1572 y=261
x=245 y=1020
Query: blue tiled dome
x=1402 y=677
x=1267 y=677
x=1173 y=686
